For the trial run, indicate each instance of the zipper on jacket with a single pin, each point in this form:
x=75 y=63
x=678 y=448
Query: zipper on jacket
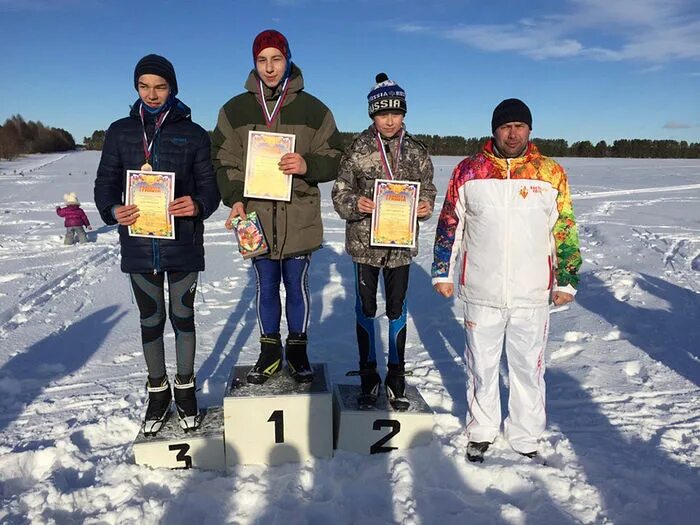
x=274 y=227
x=155 y=243
x=506 y=233
x=156 y=255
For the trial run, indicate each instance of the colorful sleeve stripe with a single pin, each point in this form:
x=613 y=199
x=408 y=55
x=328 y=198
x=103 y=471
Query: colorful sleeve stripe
x=566 y=238
x=446 y=233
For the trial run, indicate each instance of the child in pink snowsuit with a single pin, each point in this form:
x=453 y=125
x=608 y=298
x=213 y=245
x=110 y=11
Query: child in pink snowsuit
x=75 y=219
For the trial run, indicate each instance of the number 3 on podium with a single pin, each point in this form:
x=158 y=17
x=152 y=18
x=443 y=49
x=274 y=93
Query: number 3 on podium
x=182 y=450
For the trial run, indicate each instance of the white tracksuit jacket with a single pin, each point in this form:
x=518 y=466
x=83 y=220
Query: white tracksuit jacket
x=507 y=231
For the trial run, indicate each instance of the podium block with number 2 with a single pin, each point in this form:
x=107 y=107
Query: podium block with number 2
x=278 y=422
x=380 y=429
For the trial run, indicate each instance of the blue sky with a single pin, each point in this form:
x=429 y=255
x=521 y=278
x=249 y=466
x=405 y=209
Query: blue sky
x=588 y=69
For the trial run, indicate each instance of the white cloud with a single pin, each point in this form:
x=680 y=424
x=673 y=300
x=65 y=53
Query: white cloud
x=645 y=31
x=677 y=125
x=411 y=28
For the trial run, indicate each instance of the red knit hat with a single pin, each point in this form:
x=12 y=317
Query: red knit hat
x=271 y=38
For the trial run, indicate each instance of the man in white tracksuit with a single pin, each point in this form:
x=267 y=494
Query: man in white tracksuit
x=507 y=233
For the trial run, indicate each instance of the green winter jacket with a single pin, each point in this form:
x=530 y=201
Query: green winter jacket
x=295 y=227
x=360 y=166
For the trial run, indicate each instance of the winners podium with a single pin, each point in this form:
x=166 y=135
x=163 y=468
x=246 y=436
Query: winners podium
x=283 y=421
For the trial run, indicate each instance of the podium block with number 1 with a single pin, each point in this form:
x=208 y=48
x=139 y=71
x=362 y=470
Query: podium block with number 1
x=278 y=422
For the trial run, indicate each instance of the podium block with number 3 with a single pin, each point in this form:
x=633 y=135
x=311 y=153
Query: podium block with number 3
x=381 y=429
x=174 y=448
x=278 y=422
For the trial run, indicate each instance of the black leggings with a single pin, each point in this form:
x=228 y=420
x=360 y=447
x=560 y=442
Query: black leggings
x=150 y=298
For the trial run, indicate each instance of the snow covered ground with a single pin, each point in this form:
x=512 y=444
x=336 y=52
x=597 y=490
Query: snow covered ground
x=623 y=438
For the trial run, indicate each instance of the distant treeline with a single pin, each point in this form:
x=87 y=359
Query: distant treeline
x=96 y=141
x=459 y=146
x=19 y=137
x=625 y=148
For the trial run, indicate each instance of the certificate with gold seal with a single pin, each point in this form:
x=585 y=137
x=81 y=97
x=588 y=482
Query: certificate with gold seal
x=395 y=213
x=152 y=192
x=263 y=178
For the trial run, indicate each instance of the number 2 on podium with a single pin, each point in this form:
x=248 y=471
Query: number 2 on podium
x=277 y=418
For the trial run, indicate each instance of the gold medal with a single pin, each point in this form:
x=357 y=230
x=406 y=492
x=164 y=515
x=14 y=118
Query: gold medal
x=146 y=167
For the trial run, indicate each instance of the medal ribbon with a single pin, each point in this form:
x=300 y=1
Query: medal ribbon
x=147 y=147
x=382 y=153
x=270 y=117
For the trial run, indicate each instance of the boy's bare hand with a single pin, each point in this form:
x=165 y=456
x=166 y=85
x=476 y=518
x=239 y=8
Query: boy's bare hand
x=183 y=207
x=127 y=215
x=293 y=164
x=237 y=210
x=365 y=205
x=424 y=209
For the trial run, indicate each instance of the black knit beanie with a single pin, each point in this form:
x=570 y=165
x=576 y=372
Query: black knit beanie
x=511 y=110
x=156 y=65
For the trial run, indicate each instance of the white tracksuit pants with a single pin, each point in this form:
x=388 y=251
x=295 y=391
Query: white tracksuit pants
x=524 y=331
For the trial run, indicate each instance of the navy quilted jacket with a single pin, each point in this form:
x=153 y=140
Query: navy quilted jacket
x=182 y=147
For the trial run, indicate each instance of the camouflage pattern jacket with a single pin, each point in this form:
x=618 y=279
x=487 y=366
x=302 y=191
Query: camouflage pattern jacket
x=360 y=166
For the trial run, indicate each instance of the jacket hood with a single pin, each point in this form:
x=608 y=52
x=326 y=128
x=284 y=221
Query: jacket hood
x=296 y=83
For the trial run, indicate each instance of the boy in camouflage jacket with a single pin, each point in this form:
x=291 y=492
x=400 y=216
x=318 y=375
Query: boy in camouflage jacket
x=383 y=151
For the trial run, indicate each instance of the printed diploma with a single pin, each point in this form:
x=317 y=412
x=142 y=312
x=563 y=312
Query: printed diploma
x=152 y=192
x=263 y=178
x=395 y=213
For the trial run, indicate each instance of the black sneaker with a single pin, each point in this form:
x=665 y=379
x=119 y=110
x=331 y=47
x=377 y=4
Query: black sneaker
x=297 y=360
x=269 y=362
x=395 y=385
x=476 y=450
x=186 y=403
x=158 y=411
